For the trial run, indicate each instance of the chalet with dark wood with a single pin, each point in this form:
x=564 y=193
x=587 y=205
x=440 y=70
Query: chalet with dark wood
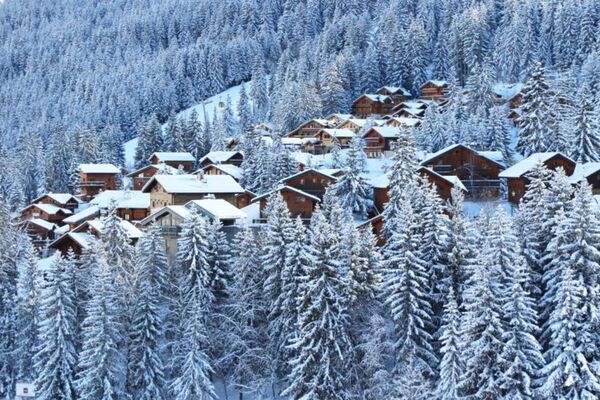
x=244 y=199
x=397 y=93
x=46 y=212
x=311 y=181
x=337 y=118
x=62 y=200
x=376 y=226
x=39 y=231
x=224 y=169
x=94 y=178
x=381 y=187
x=434 y=90
x=516 y=176
x=443 y=184
x=311 y=127
x=403 y=122
x=588 y=172
x=141 y=176
x=183 y=160
x=477 y=170
x=222 y=157
x=299 y=203
x=372 y=104
x=87 y=214
x=327 y=137
x=130 y=205
x=168 y=190
x=380 y=139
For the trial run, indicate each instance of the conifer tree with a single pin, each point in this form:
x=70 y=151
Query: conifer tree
x=498 y=134
x=56 y=358
x=244 y=112
x=450 y=362
x=586 y=132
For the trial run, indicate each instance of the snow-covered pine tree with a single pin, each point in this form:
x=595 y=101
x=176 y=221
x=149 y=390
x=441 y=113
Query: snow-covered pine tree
x=405 y=290
x=56 y=357
x=119 y=253
x=244 y=112
x=334 y=96
x=102 y=364
x=259 y=90
x=352 y=189
x=145 y=359
x=190 y=366
x=27 y=311
x=537 y=122
x=335 y=155
x=450 y=368
x=322 y=347
x=498 y=134
x=585 y=131
x=218 y=256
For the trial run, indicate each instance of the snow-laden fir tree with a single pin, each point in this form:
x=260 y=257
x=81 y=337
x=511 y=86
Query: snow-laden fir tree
x=450 y=368
x=145 y=359
x=56 y=357
x=27 y=311
x=335 y=155
x=190 y=367
x=364 y=266
x=102 y=364
x=537 y=123
x=585 y=134
x=244 y=111
x=405 y=290
x=352 y=189
x=334 y=96
x=322 y=347
x=119 y=253
x=218 y=254
x=498 y=134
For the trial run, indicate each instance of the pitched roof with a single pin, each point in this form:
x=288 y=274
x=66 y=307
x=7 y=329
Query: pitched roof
x=219 y=156
x=83 y=239
x=406 y=121
x=583 y=171
x=491 y=156
x=437 y=83
x=285 y=187
x=49 y=226
x=343 y=117
x=386 y=131
x=306 y=171
x=339 y=133
x=217 y=208
x=181 y=211
x=49 y=209
x=526 y=165
x=160 y=167
x=61 y=198
x=122 y=199
x=375 y=97
x=187 y=183
x=229 y=169
x=99 y=169
x=87 y=213
x=451 y=179
x=130 y=229
x=173 y=156
x=394 y=90
x=293 y=141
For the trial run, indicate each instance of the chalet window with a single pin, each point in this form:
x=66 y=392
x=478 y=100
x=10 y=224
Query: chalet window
x=300 y=199
x=302 y=181
x=314 y=180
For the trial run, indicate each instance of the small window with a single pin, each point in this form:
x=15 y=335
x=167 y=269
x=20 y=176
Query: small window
x=302 y=181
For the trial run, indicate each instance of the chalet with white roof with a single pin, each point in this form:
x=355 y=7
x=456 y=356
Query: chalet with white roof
x=218 y=210
x=338 y=118
x=176 y=160
x=168 y=190
x=372 y=104
x=311 y=127
x=516 y=176
x=131 y=205
x=397 y=93
x=62 y=200
x=299 y=203
x=328 y=136
x=296 y=143
x=434 y=90
x=403 y=122
x=141 y=176
x=379 y=140
x=589 y=172
x=478 y=170
x=94 y=178
x=311 y=181
x=222 y=157
x=46 y=212
x=86 y=214
x=39 y=231
x=223 y=169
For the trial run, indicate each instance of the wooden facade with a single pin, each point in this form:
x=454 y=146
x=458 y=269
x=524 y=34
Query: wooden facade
x=327 y=137
x=186 y=164
x=141 y=176
x=378 y=140
x=70 y=204
x=376 y=226
x=299 y=203
x=442 y=184
x=310 y=181
x=370 y=104
x=38 y=211
x=434 y=90
x=159 y=197
x=310 y=128
x=235 y=158
x=90 y=184
x=398 y=94
x=243 y=199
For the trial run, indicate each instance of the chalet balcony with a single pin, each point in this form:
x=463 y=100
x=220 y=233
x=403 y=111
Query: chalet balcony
x=170 y=230
x=92 y=184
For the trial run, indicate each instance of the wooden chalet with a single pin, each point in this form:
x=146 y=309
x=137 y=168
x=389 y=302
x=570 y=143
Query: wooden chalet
x=176 y=160
x=372 y=104
x=380 y=139
x=243 y=199
x=311 y=127
x=46 y=212
x=141 y=176
x=299 y=203
x=62 y=200
x=376 y=226
x=40 y=232
x=222 y=157
x=130 y=205
x=168 y=190
x=434 y=90
x=516 y=176
x=397 y=93
x=443 y=184
x=403 y=122
x=588 y=172
x=311 y=181
x=87 y=214
x=303 y=144
x=477 y=170
x=327 y=137
x=224 y=169
x=337 y=118
x=94 y=178
x=169 y=220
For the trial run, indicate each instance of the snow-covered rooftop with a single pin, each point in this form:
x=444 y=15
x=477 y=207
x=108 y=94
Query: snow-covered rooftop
x=229 y=169
x=180 y=211
x=219 y=156
x=61 y=198
x=51 y=209
x=285 y=187
x=394 y=90
x=217 y=208
x=376 y=97
x=342 y=117
x=160 y=168
x=82 y=215
x=507 y=90
x=494 y=156
x=339 y=133
x=293 y=141
x=387 y=131
x=49 y=226
x=99 y=169
x=204 y=184
x=582 y=171
x=526 y=165
x=406 y=121
x=122 y=198
x=437 y=83
x=307 y=170
x=173 y=156
x=130 y=229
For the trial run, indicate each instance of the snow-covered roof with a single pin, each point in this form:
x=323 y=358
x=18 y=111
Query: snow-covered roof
x=451 y=179
x=180 y=211
x=229 y=169
x=122 y=198
x=61 y=230
x=99 y=169
x=302 y=157
x=49 y=226
x=285 y=187
x=306 y=171
x=217 y=208
x=130 y=229
x=83 y=239
x=387 y=131
x=219 y=156
x=342 y=117
x=507 y=90
x=394 y=90
x=203 y=184
x=339 y=133
x=582 y=171
x=50 y=209
x=436 y=82
x=293 y=141
x=82 y=215
x=173 y=156
x=526 y=165
x=375 y=97
x=493 y=156
x=160 y=167
x=330 y=171
x=417 y=104
x=406 y=121
x=380 y=181
x=61 y=198
x=360 y=122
